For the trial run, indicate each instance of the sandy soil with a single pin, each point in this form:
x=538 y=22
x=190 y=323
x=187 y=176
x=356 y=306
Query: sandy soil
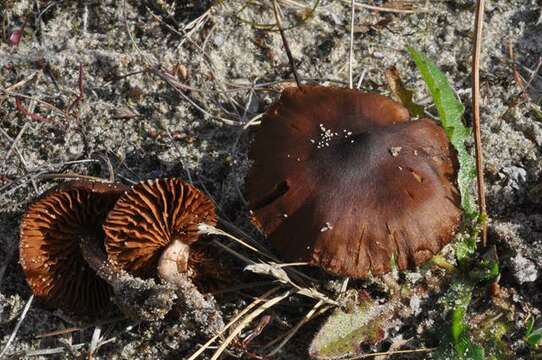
x=225 y=72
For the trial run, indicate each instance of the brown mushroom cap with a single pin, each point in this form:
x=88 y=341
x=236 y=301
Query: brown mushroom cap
x=147 y=218
x=50 y=255
x=342 y=179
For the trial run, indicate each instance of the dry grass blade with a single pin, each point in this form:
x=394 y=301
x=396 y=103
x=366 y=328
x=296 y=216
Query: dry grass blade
x=390 y=10
x=255 y=121
x=276 y=271
x=24 y=164
x=389 y=353
x=233 y=321
x=17 y=85
x=478 y=27
x=17 y=326
x=77 y=328
x=280 y=275
x=52 y=351
x=248 y=319
x=207 y=229
x=211 y=230
x=56 y=176
x=96 y=337
x=361 y=78
x=194 y=104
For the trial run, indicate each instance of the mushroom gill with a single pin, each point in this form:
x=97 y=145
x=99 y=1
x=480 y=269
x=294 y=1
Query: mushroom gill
x=50 y=254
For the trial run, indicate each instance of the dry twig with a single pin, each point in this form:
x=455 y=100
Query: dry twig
x=285 y=42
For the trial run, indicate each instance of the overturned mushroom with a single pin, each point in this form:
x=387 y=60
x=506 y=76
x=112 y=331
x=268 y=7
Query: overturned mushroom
x=50 y=254
x=152 y=228
x=342 y=179
x=61 y=254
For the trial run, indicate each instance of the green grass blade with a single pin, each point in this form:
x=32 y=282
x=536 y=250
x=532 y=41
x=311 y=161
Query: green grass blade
x=450 y=112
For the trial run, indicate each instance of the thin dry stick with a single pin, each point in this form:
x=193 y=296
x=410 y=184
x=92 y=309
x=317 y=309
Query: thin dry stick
x=17 y=326
x=351 y=57
x=285 y=42
x=16 y=140
x=248 y=319
x=532 y=77
x=478 y=26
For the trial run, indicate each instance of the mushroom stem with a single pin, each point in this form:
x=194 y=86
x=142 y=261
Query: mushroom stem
x=137 y=298
x=173 y=269
x=196 y=306
x=97 y=260
x=173 y=262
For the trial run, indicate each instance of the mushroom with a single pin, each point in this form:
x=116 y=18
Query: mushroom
x=151 y=229
x=50 y=253
x=61 y=252
x=137 y=298
x=343 y=180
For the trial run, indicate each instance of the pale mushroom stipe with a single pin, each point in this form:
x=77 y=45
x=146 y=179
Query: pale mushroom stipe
x=153 y=225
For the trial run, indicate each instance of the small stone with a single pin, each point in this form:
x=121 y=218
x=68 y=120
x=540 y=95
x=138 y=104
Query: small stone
x=524 y=269
x=516 y=176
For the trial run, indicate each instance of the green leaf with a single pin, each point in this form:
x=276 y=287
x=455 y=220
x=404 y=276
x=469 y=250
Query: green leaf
x=450 y=112
x=458 y=344
x=485 y=271
x=458 y=299
x=365 y=322
x=533 y=335
x=468 y=350
x=465 y=248
x=537 y=113
x=530 y=327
